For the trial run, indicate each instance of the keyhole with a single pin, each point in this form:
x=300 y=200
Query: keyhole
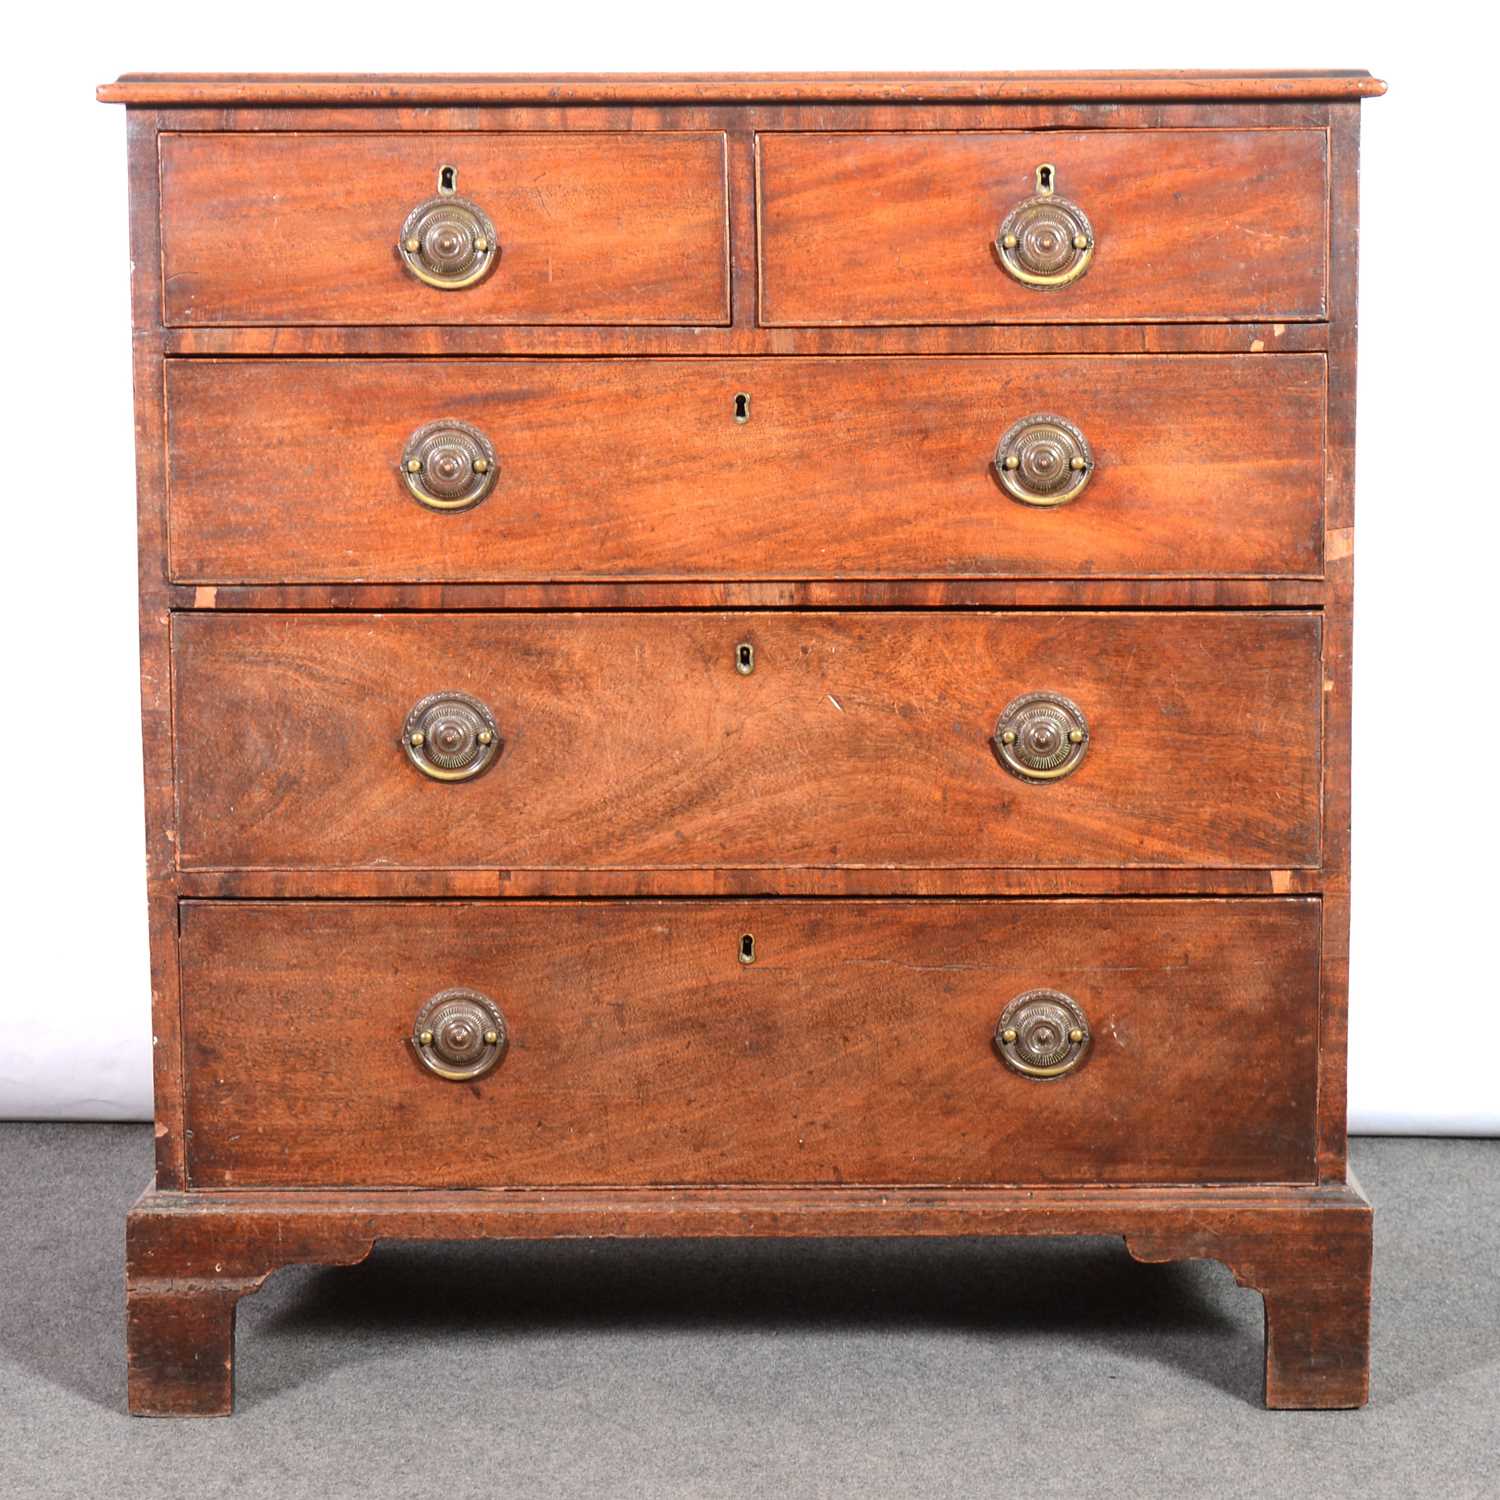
x=1044 y=177
x=742 y=407
x=744 y=658
x=747 y=948
x=447 y=179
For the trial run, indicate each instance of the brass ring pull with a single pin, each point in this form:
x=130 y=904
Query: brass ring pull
x=1042 y=1034
x=1045 y=241
x=447 y=241
x=450 y=736
x=1044 y=460
x=448 y=465
x=459 y=1035
x=1041 y=737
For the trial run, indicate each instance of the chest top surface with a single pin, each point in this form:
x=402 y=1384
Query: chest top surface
x=188 y=89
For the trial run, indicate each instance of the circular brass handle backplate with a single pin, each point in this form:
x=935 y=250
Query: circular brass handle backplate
x=1042 y=1034
x=459 y=1034
x=1041 y=737
x=450 y=736
x=448 y=242
x=1044 y=460
x=1045 y=241
x=448 y=465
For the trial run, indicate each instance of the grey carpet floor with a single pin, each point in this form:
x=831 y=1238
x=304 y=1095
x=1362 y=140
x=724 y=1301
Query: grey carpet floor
x=893 y=1369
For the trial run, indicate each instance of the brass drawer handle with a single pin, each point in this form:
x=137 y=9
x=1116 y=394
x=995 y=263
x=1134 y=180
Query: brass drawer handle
x=1041 y=737
x=1045 y=241
x=1044 y=460
x=447 y=241
x=448 y=465
x=459 y=1034
x=450 y=736
x=1042 y=1034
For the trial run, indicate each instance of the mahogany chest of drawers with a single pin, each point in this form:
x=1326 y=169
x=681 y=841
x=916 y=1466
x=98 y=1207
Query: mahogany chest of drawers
x=746 y=656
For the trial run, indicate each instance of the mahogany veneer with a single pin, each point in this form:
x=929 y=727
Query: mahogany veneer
x=886 y=581
x=861 y=228
x=630 y=741
x=1208 y=466
x=596 y=228
x=869 y=1023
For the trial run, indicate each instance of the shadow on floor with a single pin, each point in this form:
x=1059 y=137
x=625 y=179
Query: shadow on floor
x=1188 y=1316
x=62 y=1317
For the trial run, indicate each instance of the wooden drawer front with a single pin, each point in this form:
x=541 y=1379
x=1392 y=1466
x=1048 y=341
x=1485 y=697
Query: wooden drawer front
x=288 y=470
x=631 y=741
x=859 y=1047
x=303 y=229
x=1188 y=224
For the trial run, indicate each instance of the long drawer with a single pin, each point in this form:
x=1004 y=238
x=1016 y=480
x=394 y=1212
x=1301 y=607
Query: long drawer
x=308 y=228
x=867 y=1042
x=298 y=471
x=778 y=740
x=909 y=227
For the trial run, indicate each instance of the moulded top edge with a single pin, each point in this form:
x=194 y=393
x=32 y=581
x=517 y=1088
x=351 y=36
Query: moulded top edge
x=188 y=90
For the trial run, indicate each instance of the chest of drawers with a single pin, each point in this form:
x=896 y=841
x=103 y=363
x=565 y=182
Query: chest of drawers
x=746 y=656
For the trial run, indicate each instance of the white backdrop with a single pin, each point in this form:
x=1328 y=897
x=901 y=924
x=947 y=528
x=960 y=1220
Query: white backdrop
x=1425 y=1022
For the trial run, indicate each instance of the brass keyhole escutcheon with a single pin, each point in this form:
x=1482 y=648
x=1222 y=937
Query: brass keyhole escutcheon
x=1044 y=460
x=1041 y=737
x=1042 y=1034
x=459 y=1034
x=448 y=242
x=450 y=736
x=449 y=465
x=1045 y=241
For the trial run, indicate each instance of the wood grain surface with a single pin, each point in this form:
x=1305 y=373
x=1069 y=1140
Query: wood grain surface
x=743 y=338
x=630 y=740
x=778 y=594
x=285 y=471
x=302 y=228
x=262 y=883
x=1194 y=225
x=858 y=1047
x=149 y=375
x=1338 y=670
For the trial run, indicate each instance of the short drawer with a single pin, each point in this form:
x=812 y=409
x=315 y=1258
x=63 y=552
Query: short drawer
x=772 y=468
x=865 y=1044
x=578 y=228
x=772 y=740
x=1178 y=225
